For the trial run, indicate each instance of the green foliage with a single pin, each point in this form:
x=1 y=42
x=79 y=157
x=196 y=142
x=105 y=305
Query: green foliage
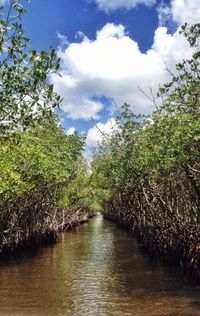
x=44 y=155
x=183 y=92
x=33 y=149
x=147 y=172
x=152 y=151
x=42 y=168
x=25 y=95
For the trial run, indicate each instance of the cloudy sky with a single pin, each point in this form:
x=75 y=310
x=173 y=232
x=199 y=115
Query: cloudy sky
x=110 y=50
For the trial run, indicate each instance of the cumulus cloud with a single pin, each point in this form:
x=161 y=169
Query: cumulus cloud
x=112 y=5
x=185 y=11
x=180 y=11
x=96 y=133
x=113 y=66
x=70 y=131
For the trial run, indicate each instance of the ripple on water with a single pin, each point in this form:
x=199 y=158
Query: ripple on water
x=96 y=270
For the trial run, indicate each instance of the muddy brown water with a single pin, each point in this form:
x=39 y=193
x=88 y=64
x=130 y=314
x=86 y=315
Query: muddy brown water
x=96 y=270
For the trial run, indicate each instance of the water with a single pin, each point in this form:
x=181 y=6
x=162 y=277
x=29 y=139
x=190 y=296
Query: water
x=96 y=270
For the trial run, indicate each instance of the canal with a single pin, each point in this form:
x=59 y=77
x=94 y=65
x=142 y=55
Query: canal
x=95 y=270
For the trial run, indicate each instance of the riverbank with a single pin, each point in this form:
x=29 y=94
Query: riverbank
x=65 y=219
x=165 y=239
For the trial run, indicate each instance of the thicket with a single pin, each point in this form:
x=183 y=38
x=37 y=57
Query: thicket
x=148 y=171
x=43 y=175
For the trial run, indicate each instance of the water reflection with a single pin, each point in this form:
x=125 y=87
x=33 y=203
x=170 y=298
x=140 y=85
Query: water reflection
x=95 y=270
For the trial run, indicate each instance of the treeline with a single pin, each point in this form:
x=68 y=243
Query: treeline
x=148 y=171
x=43 y=175
x=38 y=185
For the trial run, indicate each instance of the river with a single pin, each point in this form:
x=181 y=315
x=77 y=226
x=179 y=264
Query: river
x=95 y=270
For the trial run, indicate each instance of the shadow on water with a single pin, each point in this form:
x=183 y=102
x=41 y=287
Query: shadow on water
x=95 y=270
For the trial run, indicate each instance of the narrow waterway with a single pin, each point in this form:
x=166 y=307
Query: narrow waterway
x=96 y=270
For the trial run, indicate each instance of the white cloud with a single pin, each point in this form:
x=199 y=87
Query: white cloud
x=96 y=133
x=112 y=5
x=63 y=40
x=164 y=13
x=186 y=11
x=113 y=66
x=180 y=11
x=70 y=131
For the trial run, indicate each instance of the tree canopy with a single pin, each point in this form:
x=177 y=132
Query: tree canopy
x=25 y=94
x=148 y=170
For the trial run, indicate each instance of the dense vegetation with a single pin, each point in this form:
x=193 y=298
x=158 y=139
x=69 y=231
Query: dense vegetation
x=148 y=171
x=145 y=176
x=40 y=165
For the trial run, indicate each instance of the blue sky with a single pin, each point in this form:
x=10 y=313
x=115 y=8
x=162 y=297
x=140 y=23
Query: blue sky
x=47 y=17
x=109 y=50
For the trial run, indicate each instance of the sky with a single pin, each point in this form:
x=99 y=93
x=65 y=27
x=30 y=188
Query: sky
x=110 y=51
